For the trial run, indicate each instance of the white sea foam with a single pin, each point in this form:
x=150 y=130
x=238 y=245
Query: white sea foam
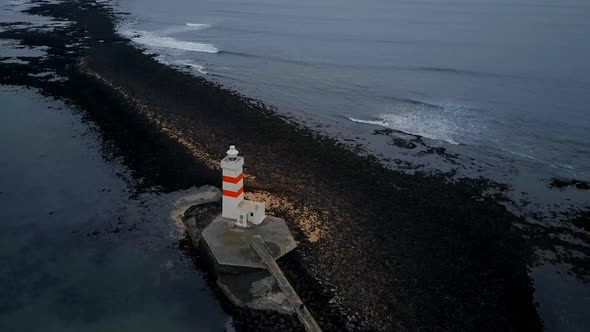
x=198 y=26
x=183 y=64
x=450 y=123
x=195 y=66
x=152 y=39
x=176 y=29
x=409 y=127
x=371 y=122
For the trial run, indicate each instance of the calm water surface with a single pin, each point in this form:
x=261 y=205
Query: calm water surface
x=76 y=252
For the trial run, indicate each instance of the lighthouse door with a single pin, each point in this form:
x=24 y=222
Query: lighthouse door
x=242 y=220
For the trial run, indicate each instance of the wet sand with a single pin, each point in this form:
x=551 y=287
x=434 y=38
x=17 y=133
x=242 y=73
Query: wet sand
x=378 y=249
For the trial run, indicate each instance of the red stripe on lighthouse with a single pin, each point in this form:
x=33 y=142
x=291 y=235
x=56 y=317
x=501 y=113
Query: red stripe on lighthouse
x=232 y=179
x=233 y=193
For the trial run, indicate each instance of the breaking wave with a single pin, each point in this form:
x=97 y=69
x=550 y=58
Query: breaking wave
x=187 y=63
x=198 y=26
x=182 y=64
x=409 y=126
x=175 y=29
x=450 y=123
x=371 y=122
x=154 y=40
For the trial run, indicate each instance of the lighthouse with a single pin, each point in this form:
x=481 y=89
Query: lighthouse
x=243 y=244
x=234 y=206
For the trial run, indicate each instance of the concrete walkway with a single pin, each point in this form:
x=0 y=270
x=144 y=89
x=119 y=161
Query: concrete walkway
x=303 y=314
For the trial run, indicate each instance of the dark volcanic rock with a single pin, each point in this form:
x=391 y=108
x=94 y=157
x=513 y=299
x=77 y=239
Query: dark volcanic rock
x=582 y=220
x=399 y=139
x=563 y=183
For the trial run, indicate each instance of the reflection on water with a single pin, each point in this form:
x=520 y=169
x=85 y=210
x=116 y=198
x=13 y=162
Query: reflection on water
x=76 y=252
x=563 y=299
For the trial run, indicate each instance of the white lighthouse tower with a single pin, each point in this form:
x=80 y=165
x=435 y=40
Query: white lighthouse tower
x=234 y=206
x=233 y=183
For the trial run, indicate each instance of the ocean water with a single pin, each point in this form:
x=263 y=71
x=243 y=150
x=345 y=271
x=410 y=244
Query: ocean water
x=78 y=250
x=506 y=82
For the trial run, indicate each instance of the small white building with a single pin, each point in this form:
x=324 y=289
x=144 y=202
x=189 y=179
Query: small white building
x=234 y=206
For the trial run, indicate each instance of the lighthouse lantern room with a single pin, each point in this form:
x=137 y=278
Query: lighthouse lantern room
x=234 y=206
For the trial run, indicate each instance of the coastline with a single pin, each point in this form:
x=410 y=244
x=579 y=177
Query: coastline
x=380 y=249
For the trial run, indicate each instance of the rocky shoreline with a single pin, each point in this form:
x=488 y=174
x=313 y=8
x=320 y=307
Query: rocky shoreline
x=378 y=249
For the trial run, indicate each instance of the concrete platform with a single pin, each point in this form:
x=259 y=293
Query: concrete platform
x=230 y=245
x=255 y=289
